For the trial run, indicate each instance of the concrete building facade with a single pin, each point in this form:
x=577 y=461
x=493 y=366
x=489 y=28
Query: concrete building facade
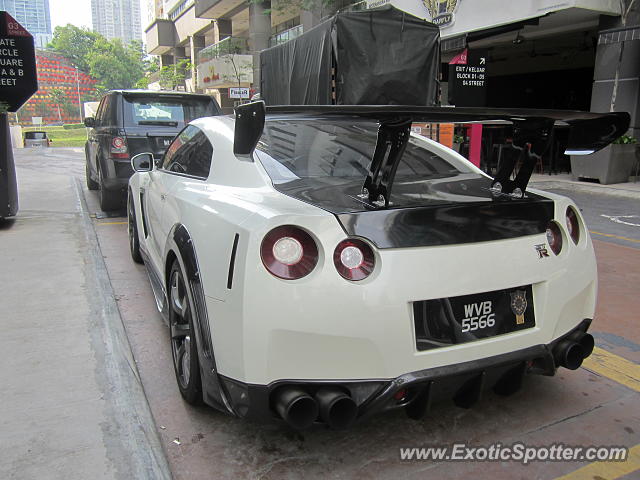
x=540 y=53
x=117 y=19
x=33 y=15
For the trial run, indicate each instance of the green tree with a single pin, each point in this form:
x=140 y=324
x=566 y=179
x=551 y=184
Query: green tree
x=153 y=65
x=110 y=62
x=74 y=44
x=115 y=65
x=173 y=76
x=59 y=98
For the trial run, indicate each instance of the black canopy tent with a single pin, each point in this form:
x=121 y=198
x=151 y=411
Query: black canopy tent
x=374 y=57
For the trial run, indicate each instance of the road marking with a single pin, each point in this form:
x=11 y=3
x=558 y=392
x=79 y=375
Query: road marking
x=616 y=219
x=607 y=470
x=614 y=367
x=112 y=223
x=614 y=236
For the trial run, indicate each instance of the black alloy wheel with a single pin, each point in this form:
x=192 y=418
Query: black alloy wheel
x=91 y=183
x=132 y=227
x=183 y=340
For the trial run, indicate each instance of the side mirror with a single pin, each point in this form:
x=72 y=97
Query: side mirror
x=89 y=122
x=142 y=162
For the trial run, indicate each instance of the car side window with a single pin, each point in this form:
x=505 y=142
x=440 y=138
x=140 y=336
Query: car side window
x=100 y=110
x=189 y=154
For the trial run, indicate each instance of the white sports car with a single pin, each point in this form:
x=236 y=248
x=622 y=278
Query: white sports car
x=322 y=264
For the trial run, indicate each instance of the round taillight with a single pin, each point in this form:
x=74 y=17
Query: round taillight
x=354 y=259
x=117 y=142
x=573 y=226
x=554 y=237
x=289 y=252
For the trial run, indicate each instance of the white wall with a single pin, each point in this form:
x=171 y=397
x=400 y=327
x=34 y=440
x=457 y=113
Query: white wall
x=472 y=15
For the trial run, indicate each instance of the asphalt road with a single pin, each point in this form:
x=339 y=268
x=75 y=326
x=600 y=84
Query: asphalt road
x=596 y=405
x=615 y=219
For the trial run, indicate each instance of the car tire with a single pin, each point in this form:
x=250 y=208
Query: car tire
x=132 y=227
x=91 y=183
x=184 y=349
x=109 y=199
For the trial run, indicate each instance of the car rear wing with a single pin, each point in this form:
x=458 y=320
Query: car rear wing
x=588 y=132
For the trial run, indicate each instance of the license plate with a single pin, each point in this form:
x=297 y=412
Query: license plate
x=454 y=320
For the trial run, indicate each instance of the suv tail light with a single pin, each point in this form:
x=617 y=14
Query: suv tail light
x=119 y=147
x=288 y=252
x=354 y=259
x=554 y=237
x=573 y=226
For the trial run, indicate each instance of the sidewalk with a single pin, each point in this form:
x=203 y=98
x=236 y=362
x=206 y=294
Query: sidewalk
x=72 y=403
x=566 y=181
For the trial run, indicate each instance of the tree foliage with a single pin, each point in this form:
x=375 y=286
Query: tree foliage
x=59 y=98
x=74 y=44
x=173 y=76
x=113 y=64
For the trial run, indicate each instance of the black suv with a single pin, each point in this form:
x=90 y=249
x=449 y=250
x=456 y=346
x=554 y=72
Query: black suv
x=129 y=122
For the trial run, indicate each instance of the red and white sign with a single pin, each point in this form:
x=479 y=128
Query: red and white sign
x=14 y=29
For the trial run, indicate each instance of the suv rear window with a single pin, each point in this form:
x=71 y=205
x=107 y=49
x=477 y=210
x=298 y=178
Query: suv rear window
x=166 y=111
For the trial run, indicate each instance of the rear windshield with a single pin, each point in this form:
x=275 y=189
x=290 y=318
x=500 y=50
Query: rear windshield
x=170 y=112
x=35 y=135
x=343 y=148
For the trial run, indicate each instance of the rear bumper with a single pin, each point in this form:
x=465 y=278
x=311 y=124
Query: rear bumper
x=415 y=391
x=118 y=173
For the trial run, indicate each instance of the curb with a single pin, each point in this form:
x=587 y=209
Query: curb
x=131 y=439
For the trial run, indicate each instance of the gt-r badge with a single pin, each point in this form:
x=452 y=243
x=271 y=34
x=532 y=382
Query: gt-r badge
x=542 y=250
x=518 y=305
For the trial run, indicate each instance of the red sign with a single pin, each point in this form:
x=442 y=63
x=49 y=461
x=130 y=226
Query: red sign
x=14 y=29
x=460 y=59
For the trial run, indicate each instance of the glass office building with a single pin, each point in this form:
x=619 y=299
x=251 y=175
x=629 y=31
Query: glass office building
x=33 y=15
x=117 y=19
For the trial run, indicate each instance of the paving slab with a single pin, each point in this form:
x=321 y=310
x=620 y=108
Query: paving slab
x=72 y=403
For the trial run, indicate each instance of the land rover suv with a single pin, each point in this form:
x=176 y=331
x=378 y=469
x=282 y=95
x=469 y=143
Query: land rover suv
x=129 y=122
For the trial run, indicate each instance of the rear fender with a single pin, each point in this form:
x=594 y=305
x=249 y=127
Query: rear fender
x=181 y=246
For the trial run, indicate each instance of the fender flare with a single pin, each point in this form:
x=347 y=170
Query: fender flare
x=179 y=242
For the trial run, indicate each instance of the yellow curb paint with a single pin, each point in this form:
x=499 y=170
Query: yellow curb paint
x=112 y=223
x=607 y=470
x=610 y=235
x=614 y=367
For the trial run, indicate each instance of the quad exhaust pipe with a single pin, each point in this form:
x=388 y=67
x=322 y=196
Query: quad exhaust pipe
x=296 y=407
x=337 y=409
x=570 y=353
x=299 y=409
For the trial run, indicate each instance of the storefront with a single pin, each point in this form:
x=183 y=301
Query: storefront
x=536 y=54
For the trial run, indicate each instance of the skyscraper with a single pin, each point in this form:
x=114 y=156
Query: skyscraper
x=32 y=15
x=117 y=19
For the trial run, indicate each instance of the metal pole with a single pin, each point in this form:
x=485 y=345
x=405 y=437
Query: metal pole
x=8 y=184
x=78 y=86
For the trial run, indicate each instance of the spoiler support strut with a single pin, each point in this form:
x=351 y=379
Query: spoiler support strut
x=531 y=138
x=390 y=146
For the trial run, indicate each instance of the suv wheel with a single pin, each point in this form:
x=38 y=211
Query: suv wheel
x=91 y=183
x=109 y=199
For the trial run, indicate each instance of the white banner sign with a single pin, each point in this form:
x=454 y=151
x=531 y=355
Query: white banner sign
x=226 y=71
x=455 y=17
x=238 y=92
